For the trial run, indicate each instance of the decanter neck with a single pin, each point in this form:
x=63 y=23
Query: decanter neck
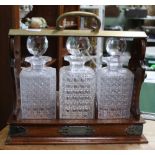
x=114 y=63
x=76 y=62
x=37 y=66
x=37 y=63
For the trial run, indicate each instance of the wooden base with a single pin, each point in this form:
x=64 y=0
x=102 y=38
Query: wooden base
x=75 y=140
x=76 y=132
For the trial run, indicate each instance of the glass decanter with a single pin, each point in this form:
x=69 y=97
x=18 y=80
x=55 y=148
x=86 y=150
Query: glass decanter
x=77 y=82
x=114 y=84
x=38 y=82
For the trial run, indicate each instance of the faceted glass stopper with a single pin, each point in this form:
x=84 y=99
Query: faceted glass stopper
x=37 y=45
x=78 y=46
x=116 y=46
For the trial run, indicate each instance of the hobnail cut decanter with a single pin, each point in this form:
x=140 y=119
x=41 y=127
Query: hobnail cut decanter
x=114 y=84
x=38 y=82
x=77 y=82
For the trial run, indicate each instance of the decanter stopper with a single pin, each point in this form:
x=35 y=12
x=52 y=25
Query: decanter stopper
x=116 y=46
x=37 y=45
x=78 y=46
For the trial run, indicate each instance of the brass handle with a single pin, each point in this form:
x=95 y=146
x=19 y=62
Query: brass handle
x=81 y=14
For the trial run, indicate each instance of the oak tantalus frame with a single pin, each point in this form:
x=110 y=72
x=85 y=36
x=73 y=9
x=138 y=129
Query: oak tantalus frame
x=93 y=131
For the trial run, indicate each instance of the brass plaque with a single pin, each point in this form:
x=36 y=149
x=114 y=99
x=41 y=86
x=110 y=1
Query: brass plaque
x=76 y=131
x=16 y=130
x=134 y=130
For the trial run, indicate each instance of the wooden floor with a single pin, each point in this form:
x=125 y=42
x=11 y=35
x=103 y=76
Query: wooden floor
x=149 y=132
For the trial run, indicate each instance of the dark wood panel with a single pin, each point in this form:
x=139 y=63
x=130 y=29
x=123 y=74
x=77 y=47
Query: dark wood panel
x=6 y=92
x=49 y=12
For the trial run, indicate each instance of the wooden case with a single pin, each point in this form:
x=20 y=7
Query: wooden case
x=94 y=131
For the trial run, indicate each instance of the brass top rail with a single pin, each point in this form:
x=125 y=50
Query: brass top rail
x=87 y=33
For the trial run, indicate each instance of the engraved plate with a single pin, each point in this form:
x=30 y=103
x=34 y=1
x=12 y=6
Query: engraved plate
x=17 y=130
x=76 y=131
x=134 y=130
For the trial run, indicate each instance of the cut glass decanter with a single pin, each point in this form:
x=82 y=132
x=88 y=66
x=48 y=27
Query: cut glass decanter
x=114 y=84
x=77 y=82
x=38 y=82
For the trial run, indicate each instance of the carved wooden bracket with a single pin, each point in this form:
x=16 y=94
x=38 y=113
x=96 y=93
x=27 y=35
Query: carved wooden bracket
x=136 y=66
x=16 y=68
